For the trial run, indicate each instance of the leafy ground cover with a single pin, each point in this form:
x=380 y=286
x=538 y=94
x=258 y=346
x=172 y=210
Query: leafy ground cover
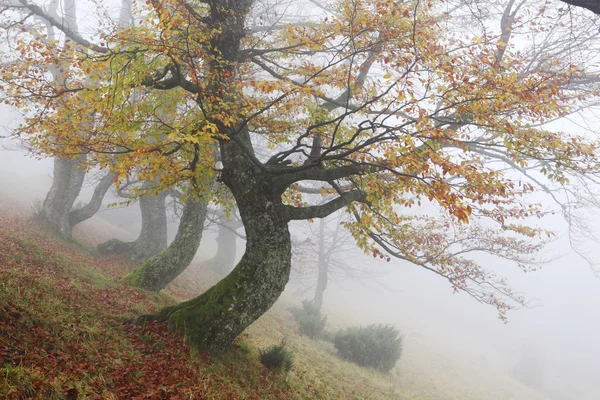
x=67 y=331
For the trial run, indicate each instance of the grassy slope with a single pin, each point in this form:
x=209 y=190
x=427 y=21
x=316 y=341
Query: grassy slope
x=65 y=333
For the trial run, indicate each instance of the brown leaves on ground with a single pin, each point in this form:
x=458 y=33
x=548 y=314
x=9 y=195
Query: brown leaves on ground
x=66 y=332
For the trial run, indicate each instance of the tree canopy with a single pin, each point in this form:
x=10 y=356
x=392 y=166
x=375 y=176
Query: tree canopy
x=433 y=138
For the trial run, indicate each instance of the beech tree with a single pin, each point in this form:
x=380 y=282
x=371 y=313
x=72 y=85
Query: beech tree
x=224 y=259
x=153 y=233
x=68 y=173
x=431 y=138
x=161 y=269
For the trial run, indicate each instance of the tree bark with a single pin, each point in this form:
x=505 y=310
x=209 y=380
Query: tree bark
x=323 y=268
x=153 y=235
x=592 y=5
x=66 y=185
x=91 y=208
x=157 y=272
x=211 y=321
x=223 y=262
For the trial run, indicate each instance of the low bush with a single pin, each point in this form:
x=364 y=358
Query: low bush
x=377 y=346
x=277 y=357
x=309 y=319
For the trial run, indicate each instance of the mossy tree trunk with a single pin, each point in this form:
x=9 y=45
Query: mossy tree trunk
x=153 y=235
x=160 y=270
x=214 y=319
x=211 y=321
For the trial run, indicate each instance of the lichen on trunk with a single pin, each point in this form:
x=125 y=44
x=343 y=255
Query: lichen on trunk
x=160 y=270
x=214 y=319
x=211 y=321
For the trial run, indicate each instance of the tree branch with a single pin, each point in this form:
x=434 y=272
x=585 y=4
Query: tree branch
x=323 y=210
x=91 y=208
x=74 y=36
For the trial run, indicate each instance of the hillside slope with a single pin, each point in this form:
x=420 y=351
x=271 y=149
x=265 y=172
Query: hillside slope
x=66 y=332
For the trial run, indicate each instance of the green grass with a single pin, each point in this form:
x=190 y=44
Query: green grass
x=66 y=332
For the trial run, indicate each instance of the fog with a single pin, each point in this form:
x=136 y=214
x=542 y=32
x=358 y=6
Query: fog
x=559 y=328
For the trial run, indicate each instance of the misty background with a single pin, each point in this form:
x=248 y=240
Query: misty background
x=559 y=330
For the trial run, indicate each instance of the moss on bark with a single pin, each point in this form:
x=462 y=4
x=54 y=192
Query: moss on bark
x=160 y=270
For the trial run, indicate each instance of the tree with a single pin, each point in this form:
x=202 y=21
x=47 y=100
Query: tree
x=157 y=272
x=153 y=233
x=69 y=174
x=224 y=260
x=58 y=209
x=328 y=252
x=429 y=139
x=592 y=5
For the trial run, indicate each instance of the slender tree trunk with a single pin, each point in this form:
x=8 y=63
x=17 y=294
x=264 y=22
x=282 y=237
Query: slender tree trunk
x=214 y=319
x=223 y=262
x=66 y=185
x=323 y=268
x=67 y=182
x=160 y=270
x=153 y=235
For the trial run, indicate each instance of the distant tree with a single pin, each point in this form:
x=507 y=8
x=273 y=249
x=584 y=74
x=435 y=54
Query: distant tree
x=386 y=104
x=153 y=233
x=530 y=368
x=69 y=173
x=328 y=252
x=224 y=260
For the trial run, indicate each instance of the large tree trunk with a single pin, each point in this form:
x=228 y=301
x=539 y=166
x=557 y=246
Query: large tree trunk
x=160 y=270
x=153 y=235
x=211 y=321
x=66 y=185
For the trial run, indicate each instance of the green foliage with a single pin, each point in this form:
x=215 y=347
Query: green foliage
x=377 y=346
x=309 y=317
x=277 y=357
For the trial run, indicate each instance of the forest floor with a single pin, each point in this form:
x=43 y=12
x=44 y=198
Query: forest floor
x=67 y=332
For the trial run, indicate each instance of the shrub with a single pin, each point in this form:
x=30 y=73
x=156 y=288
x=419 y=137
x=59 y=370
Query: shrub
x=310 y=320
x=277 y=357
x=377 y=346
